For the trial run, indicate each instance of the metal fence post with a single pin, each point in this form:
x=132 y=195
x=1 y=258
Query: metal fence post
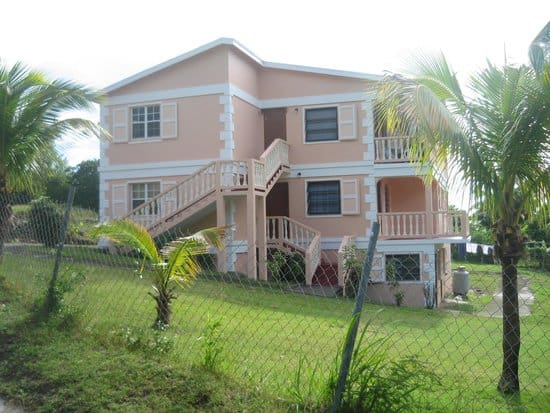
x=51 y=299
x=356 y=316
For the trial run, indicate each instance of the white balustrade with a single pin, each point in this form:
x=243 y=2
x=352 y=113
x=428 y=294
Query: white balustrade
x=391 y=149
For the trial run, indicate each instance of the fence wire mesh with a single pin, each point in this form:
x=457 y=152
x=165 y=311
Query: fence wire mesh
x=268 y=333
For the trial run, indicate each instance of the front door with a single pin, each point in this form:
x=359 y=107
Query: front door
x=274 y=125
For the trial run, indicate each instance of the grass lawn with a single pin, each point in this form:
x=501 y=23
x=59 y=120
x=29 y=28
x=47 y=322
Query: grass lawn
x=264 y=334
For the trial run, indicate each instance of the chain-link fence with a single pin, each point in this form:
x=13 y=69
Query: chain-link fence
x=280 y=334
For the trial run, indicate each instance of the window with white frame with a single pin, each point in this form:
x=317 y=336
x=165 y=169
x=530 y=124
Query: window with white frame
x=143 y=192
x=403 y=267
x=323 y=198
x=146 y=122
x=321 y=124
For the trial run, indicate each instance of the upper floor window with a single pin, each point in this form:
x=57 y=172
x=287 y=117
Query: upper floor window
x=323 y=198
x=146 y=122
x=321 y=124
x=143 y=192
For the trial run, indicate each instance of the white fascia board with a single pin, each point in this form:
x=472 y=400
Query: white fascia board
x=329 y=169
x=150 y=170
x=383 y=170
x=232 y=42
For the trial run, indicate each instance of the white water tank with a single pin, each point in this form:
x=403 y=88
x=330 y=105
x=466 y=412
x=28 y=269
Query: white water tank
x=461 y=281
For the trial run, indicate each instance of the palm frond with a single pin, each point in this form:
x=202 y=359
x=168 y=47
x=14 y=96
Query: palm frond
x=130 y=234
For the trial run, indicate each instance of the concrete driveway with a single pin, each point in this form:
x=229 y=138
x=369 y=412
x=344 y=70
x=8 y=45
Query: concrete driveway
x=526 y=298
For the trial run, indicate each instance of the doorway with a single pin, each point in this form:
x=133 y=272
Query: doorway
x=274 y=125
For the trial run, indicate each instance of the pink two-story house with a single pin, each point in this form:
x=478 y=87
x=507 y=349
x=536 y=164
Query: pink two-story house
x=287 y=155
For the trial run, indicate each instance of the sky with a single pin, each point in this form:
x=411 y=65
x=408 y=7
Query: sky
x=100 y=42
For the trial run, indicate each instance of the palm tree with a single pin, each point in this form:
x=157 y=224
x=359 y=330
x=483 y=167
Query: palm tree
x=174 y=265
x=499 y=139
x=32 y=117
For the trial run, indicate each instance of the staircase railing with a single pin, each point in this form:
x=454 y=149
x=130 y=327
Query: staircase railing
x=275 y=156
x=283 y=232
x=216 y=176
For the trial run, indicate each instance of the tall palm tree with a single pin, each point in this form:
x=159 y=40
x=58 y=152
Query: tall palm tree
x=498 y=137
x=172 y=266
x=33 y=114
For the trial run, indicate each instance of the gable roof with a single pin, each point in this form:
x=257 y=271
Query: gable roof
x=232 y=42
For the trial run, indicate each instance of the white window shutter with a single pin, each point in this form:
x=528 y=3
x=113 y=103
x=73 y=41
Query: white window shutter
x=119 y=202
x=120 y=125
x=169 y=199
x=350 y=197
x=347 y=125
x=169 y=120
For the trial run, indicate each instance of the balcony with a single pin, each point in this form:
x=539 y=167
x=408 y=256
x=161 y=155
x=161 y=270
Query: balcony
x=391 y=149
x=410 y=225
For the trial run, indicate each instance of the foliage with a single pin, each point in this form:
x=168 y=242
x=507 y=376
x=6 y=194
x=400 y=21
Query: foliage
x=499 y=141
x=172 y=266
x=211 y=343
x=393 y=282
x=375 y=382
x=353 y=268
x=288 y=267
x=86 y=180
x=538 y=254
x=33 y=117
x=46 y=221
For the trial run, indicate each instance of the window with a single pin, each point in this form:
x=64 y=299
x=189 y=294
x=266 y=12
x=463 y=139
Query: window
x=146 y=122
x=321 y=124
x=323 y=198
x=143 y=192
x=403 y=267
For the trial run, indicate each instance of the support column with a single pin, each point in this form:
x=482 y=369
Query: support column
x=251 y=223
x=429 y=210
x=221 y=222
x=261 y=237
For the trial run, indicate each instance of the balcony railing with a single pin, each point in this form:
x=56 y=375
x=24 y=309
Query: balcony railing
x=391 y=149
x=403 y=225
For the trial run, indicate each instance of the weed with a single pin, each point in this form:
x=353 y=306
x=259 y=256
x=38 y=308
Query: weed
x=211 y=344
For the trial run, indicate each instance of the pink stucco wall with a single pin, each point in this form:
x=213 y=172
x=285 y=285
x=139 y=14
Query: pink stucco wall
x=243 y=72
x=249 y=130
x=198 y=135
x=204 y=69
x=320 y=152
x=277 y=83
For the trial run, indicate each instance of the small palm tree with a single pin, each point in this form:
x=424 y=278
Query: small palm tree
x=175 y=265
x=499 y=139
x=32 y=116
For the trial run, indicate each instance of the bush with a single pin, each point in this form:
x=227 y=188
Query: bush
x=46 y=221
x=290 y=267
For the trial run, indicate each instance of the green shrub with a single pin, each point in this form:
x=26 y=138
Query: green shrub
x=353 y=267
x=375 y=382
x=46 y=221
x=289 y=267
x=211 y=343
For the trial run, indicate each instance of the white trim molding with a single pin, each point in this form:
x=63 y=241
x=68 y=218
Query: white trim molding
x=151 y=170
x=329 y=169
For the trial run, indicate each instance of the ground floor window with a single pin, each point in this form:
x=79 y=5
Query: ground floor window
x=323 y=198
x=143 y=192
x=403 y=267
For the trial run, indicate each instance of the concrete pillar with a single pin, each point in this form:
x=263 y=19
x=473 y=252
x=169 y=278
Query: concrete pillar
x=261 y=237
x=429 y=210
x=251 y=224
x=221 y=222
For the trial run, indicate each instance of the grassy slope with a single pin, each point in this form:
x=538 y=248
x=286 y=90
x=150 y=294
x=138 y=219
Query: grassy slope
x=265 y=332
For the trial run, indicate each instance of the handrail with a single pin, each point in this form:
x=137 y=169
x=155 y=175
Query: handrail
x=399 y=225
x=275 y=156
x=392 y=149
x=283 y=230
x=216 y=176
